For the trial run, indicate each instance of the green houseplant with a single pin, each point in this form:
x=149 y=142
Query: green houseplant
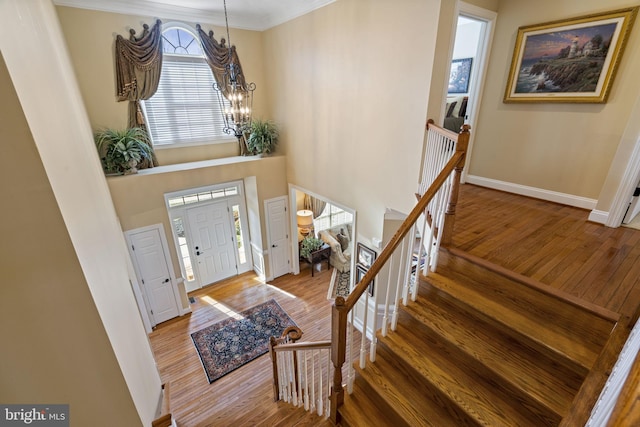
x=120 y=151
x=309 y=245
x=263 y=137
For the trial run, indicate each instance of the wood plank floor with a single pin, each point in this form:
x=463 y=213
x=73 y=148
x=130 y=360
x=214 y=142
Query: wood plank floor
x=552 y=243
x=243 y=397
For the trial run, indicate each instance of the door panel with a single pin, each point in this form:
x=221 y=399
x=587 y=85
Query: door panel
x=278 y=224
x=213 y=242
x=156 y=281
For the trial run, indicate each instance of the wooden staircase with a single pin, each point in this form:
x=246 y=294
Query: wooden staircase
x=480 y=347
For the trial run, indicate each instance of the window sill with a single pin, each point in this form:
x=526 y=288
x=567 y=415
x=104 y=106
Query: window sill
x=192 y=166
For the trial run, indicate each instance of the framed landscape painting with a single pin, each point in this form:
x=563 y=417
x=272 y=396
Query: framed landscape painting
x=572 y=60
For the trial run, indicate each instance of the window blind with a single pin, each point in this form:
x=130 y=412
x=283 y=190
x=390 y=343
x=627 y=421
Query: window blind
x=185 y=107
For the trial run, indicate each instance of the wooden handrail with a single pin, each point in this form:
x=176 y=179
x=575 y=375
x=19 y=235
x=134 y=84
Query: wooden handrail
x=388 y=250
x=342 y=307
x=301 y=346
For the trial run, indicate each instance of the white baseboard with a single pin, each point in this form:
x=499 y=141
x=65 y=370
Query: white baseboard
x=538 y=193
x=601 y=217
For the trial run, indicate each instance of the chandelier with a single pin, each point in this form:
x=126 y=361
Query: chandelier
x=235 y=96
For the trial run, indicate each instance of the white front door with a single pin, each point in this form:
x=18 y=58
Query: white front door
x=278 y=236
x=151 y=262
x=213 y=243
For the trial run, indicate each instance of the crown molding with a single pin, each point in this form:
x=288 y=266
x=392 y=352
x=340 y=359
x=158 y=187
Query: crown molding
x=277 y=12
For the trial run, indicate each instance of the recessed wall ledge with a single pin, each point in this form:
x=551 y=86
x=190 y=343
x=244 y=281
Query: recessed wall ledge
x=194 y=165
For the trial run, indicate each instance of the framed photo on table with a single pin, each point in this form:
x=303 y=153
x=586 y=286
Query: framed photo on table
x=571 y=60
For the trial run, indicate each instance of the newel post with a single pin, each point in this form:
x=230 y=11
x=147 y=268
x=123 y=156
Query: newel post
x=450 y=214
x=338 y=354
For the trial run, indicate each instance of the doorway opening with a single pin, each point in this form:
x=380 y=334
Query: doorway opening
x=632 y=216
x=329 y=217
x=469 y=58
x=210 y=232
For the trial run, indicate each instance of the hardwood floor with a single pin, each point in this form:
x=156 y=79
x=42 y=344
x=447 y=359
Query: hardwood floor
x=243 y=397
x=551 y=243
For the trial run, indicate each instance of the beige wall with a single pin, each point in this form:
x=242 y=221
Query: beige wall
x=139 y=199
x=350 y=84
x=485 y=4
x=90 y=39
x=567 y=148
x=55 y=348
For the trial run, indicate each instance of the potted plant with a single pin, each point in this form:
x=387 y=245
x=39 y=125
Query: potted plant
x=120 y=151
x=263 y=137
x=309 y=245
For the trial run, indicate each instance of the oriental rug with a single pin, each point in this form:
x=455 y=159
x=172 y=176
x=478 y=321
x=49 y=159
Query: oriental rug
x=339 y=285
x=230 y=343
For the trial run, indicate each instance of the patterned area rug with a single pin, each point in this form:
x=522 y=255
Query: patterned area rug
x=230 y=343
x=339 y=284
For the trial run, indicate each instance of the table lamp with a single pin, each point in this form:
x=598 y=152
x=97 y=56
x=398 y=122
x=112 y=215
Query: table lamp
x=305 y=221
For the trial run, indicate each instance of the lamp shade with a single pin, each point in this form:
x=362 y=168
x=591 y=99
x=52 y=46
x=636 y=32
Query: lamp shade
x=305 y=219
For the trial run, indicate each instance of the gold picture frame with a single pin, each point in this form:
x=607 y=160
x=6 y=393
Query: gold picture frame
x=570 y=60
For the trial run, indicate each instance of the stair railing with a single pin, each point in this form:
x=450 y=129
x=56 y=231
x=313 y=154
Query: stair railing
x=309 y=374
x=444 y=160
x=302 y=371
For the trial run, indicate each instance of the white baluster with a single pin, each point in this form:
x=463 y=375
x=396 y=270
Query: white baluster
x=330 y=371
x=385 y=317
x=350 y=340
x=363 y=341
x=307 y=404
x=292 y=384
x=314 y=379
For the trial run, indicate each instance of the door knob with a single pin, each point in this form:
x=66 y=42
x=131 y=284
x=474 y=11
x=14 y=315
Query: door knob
x=197 y=252
x=274 y=246
x=166 y=281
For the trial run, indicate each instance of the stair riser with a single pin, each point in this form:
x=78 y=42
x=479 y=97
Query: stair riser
x=381 y=403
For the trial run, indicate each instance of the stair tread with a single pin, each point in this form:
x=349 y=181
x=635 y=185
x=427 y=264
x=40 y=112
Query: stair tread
x=401 y=396
x=480 y=398
x=548 y=307
x=536 y=328
x=529 y=372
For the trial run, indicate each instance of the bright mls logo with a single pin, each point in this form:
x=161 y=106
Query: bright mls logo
x=34 y=415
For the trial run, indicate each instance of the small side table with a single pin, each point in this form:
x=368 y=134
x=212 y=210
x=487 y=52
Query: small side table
x=316 y=257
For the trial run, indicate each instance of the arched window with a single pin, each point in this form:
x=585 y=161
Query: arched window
x=185 y=108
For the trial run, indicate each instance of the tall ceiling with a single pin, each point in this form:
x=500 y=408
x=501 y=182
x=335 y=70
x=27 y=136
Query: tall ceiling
x=256 y=15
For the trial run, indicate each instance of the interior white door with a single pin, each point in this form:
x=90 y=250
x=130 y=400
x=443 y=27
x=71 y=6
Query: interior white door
x=213 y=244
x=155 y=276
x=278 y=234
